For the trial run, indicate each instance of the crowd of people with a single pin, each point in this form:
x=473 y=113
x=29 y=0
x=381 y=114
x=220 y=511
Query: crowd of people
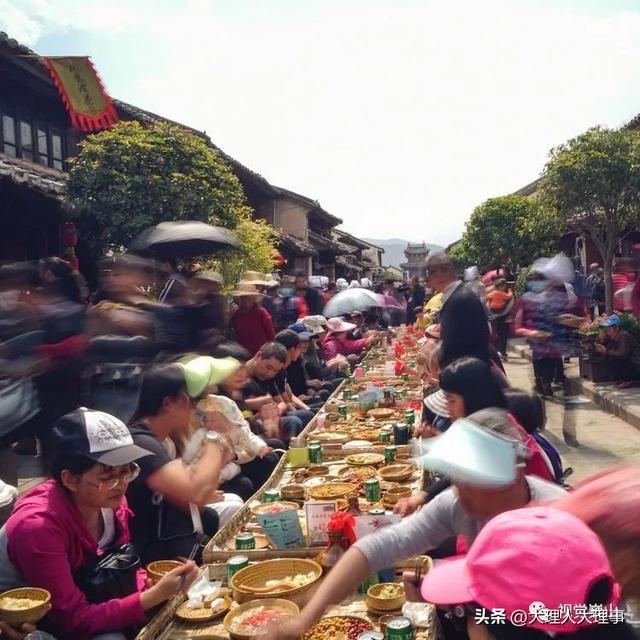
x=160 y=410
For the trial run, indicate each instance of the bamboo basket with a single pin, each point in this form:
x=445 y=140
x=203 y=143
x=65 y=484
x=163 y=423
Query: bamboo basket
x=256 y=575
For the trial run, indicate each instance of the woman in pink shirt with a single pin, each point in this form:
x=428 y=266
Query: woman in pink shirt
x=337 y=343
x=63 y=526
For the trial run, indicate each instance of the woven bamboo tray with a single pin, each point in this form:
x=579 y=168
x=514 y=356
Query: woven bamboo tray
x=217 y=551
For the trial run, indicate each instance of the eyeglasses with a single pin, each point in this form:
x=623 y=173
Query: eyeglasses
x=125 y=476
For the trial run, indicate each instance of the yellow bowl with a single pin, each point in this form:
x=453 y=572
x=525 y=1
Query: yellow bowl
x=157 y=569
x=374 y=600
x=396 y=472
x=30 y=615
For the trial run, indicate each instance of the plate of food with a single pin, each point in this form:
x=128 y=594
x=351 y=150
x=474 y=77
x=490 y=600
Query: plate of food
x=273 y=507
x=365 y=459
x=332 y=490
x=381 y=413
x=249 y=620
x=342 y=627
x=318 y=481
x=368 y=434
x=356 y=475
x=331 y=437
x=211 y=608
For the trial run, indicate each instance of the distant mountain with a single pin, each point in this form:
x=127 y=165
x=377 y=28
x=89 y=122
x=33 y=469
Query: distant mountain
x=394 y=250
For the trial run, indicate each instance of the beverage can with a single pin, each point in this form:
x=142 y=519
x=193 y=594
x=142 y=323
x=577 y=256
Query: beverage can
x=399 y=628
x=245 y=541
x=410 y=416
x=342 y=409
x=370 y=635
x=378 y=511
x=234 y=564
x=390 y=453
x=405 y=377
x=400 y=434
x=372 y=489
x=346 y=394
x=271 y=495
x=384 y=436
x=315 y=452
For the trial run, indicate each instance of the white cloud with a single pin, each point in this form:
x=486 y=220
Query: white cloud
x=399 y=117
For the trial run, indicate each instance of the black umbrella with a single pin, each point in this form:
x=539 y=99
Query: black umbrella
x=183 y=239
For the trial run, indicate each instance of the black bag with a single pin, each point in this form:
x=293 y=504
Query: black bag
x=112 y=575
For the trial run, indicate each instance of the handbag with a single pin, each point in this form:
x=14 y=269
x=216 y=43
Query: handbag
x=112 y=575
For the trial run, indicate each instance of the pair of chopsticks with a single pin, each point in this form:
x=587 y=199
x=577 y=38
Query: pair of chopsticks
x=192 y=555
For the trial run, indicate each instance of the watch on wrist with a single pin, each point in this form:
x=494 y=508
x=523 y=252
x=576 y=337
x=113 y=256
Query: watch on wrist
x=216 y=438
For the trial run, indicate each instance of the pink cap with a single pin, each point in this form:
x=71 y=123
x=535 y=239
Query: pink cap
x=521 y=557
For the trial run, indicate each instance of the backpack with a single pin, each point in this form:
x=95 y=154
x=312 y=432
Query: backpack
x=554 y=458
x=286 y=312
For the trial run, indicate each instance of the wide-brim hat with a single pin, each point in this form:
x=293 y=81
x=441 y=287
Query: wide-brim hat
x=211 y=276
x=246 y=289
x=254 y=277
x=315 y=324
x=338 y=325
x=96 y=435
x=436 y=402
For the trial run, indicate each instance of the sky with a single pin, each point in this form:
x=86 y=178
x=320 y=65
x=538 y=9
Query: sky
x=399 y=116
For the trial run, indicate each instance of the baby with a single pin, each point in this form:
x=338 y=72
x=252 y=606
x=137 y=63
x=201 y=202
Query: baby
x=221 y=414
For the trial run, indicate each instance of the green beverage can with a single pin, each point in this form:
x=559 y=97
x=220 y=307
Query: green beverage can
x=315 y=452
x=342 y=409
x=368 y=583
x=271 y=495
x=372 y=489
x=405 y=377
x=384 y=436
x=377 y=512
x=234 y=564
x=399 y=629
x=245 y=541
x=346 y=394
x=371 y=635
x=410 y=416
x=390 y=453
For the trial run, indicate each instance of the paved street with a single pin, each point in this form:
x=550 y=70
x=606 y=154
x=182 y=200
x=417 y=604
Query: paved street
x=605 y=440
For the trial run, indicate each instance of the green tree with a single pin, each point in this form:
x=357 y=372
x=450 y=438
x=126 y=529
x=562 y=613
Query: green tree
x=502 y=232
x=257 y=253
x=591 y=184
x=132 y=176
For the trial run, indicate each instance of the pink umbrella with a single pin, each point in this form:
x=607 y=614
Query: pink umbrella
x=488 y=277
x=389 y=302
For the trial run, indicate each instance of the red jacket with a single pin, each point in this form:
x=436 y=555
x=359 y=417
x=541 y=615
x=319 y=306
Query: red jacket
x=334 y=345
x=253 y=328
x=47 y=543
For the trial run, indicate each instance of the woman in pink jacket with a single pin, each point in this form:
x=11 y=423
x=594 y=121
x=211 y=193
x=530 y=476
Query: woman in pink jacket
x=337 y=343
x=63 y=525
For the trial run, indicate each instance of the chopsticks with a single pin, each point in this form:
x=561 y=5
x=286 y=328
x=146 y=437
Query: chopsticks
x=192 y=555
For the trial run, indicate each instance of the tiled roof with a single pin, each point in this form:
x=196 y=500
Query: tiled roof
x=326 y=244
x=347 y=238
x=296 y=246
x=14 y=44
x=50 y=182
x=313 y=205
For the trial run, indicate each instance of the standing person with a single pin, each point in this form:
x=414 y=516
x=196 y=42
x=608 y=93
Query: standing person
x=252 y=324
x=463 y=318
x=175 y=287
x=60 y=529
x=500 y=303
x=210 y=306
x=332 y=289
x=594 y=290
x=312 y=296
x=271 y=295
x=416 y=301
x=289 y=307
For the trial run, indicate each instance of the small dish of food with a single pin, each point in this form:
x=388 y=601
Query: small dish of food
x=252 y=618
